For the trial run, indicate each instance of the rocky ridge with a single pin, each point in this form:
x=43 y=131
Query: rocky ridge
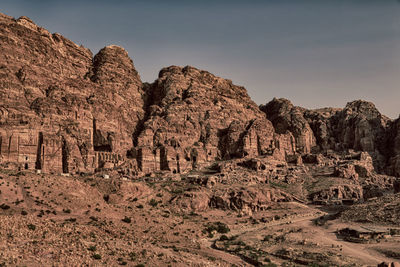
x=95 y=112
x=80 y=113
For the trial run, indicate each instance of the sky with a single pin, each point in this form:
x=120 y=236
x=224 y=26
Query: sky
x=317 y=53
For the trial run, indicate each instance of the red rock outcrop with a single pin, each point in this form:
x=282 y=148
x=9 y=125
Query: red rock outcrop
x=393 y=148
x=194 y=117
x=79 y=113
x=359 y=126
x=339 y=192
x=63 y=110
x=60 y=110
x=346 y=171
x=287 y=117
x=248 y=200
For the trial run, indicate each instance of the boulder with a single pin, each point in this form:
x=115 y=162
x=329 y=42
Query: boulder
x=339 y=192
x=347 y=171
x=249 y=199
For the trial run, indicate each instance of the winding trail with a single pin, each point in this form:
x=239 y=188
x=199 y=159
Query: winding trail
x=324 y=236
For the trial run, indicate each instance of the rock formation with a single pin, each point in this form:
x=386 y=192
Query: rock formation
x=194 y=117
x=287 y=117
x=339 y=192
x=63 y=110
x=79 y=113
x=393 y=148
x=168 y=171
x=248 y=200
x=359 y=127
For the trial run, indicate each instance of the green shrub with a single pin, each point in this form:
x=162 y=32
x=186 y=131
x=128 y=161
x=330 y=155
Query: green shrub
x=66 y=210
x=126 y=220
x=223 y=238
x=219 y=227
x=4 y=207
x=222 y=228
x=267 y=238
x=153 y=202
x=96 y=256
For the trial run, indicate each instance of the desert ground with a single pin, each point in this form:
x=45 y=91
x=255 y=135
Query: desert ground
x=171 y=220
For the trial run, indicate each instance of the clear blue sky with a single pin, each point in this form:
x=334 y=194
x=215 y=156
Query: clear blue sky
x=314 y=52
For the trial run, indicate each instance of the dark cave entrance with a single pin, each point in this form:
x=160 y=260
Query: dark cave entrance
x=39 y=163
x=65 y=156
x=178 y=167
x=194 y=162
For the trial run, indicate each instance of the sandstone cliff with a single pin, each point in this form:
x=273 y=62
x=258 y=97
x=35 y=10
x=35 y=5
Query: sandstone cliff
x=63 y=110
x=393 y=148
x=194 y=117
x=359 y=126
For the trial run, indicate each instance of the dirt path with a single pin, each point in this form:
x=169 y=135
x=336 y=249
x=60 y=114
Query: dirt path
x=207 y=243
x=207 y=250
x=289 y=220
x=319 y=235
x=327 y=237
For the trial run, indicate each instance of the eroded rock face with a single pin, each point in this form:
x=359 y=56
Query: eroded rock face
x=347 y=171
x=248 y=200
x=118 y=104
x=195 y=201
x=80 y=113
x=287 y=117
x=195 y=118
x=71 y=114
x=339 y=192
x=364 y=166
x=63 y=110
x=359 y=126
x=393 y=148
